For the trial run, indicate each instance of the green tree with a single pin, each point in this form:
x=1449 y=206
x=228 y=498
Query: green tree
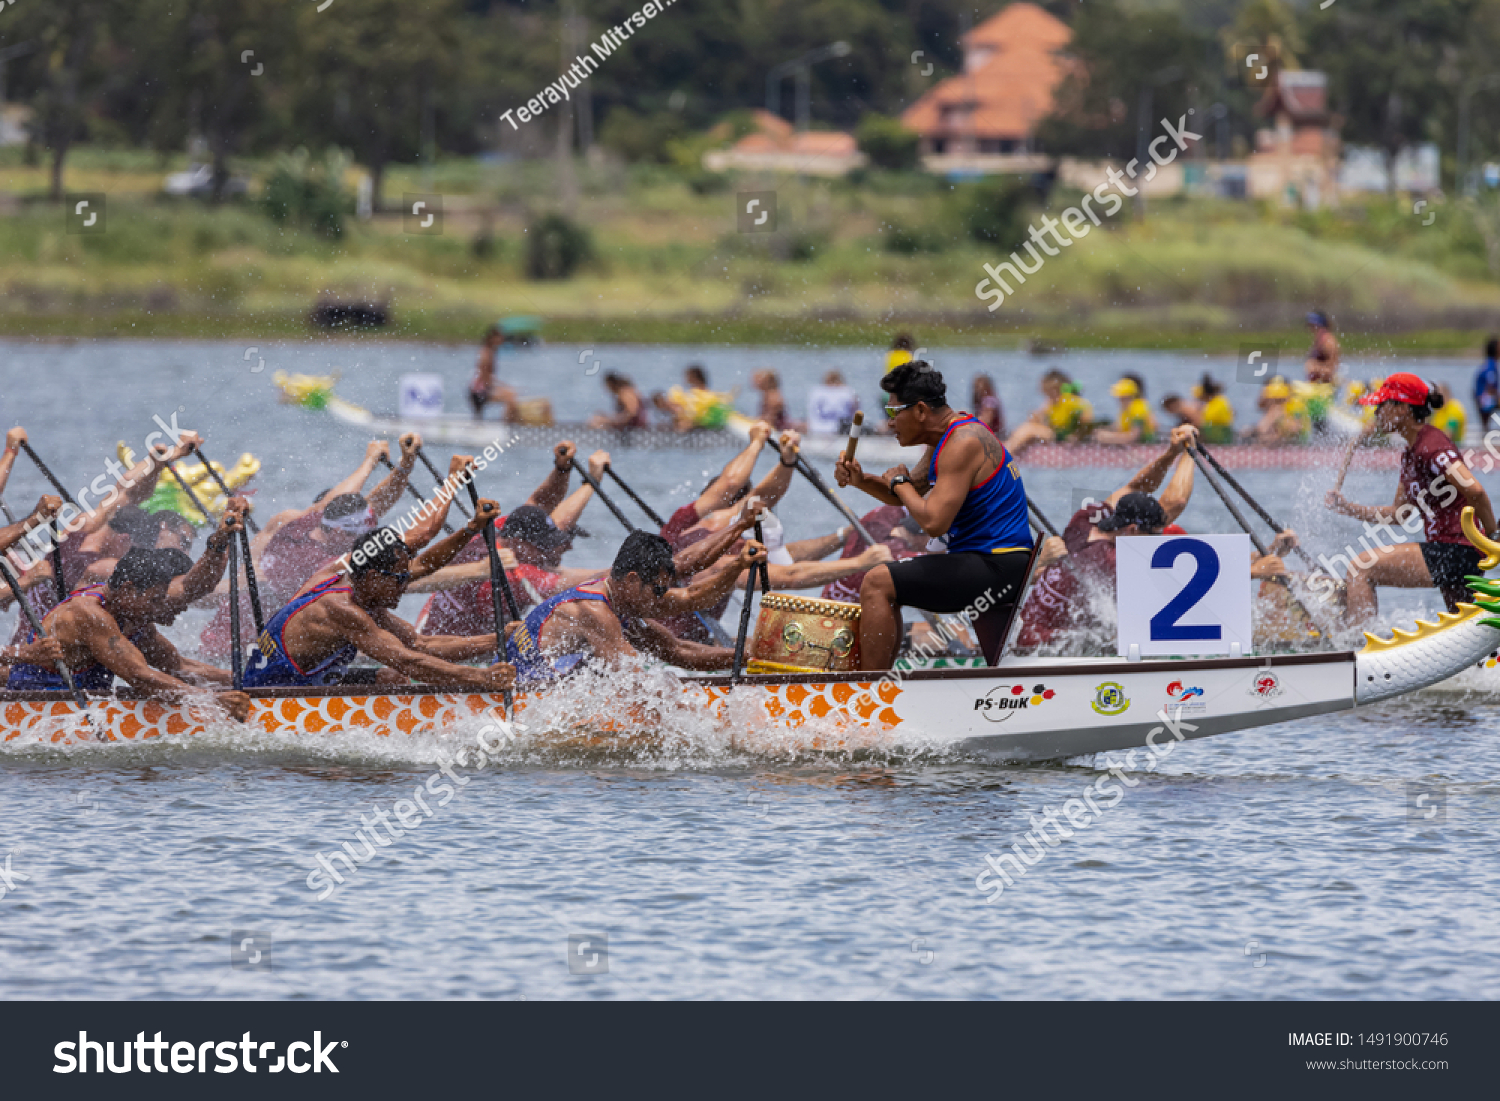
x=1385 y=62
x=1124 y=61
x=887 y=143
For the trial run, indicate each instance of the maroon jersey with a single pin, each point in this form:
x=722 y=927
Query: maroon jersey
x=880 y=523
x=675 y=529
x=1059 y=599
x=1424 y=476
x=469 y=609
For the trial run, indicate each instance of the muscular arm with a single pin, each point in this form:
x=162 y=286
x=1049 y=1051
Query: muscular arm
x=814 y=575
x=967 y=454
x=441 y=554
x=95 y=632
x=1149 y=477
x=554 y=487
x=447 y=647
x=45 y=509
x=720 y=492
x=1174 y=499
x=389 y=491
x=820 y=546
x=162 y=655
x=13 y=440
x=375 y=641
x=355 y=483
x=657 y=641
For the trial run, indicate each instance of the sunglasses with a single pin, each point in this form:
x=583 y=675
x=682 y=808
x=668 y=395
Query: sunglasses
x=892 y=410
x=659 y=588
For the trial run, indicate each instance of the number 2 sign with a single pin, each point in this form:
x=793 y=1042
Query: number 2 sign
x=1183 y=594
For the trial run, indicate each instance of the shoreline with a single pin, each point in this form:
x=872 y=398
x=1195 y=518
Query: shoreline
x=722 y=329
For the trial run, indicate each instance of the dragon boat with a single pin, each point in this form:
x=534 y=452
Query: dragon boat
x=1020 y=710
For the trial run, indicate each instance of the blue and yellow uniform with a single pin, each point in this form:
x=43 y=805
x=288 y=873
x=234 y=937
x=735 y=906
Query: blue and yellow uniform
x=523 y=648
x=36 y=678
x=270 y=666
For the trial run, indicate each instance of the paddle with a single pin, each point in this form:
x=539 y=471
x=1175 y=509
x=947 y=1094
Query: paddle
x=599 y=492
x=499 y=584
x=711 y=625
x=854 y=426
x=250 y=583
x=1348 y=461
x=51 y=477
x=821 y=486
x=36 y=628
x=224 y=489
x=1041 y=520
x=437 y=477
x=1249 y=500
x=1255 y=540
x=10 y=517
x=385 y=461
x=236 y=658
x=647 y=509
x=739 y=642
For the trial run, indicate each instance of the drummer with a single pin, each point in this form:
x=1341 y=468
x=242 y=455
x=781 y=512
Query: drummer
x=967 y=490
x=1434 y=487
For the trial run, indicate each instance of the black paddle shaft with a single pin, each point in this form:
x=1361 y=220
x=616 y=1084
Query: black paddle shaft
x=499 y=583
x=36 y=629
x=817 y=482
x=236 y=657
x=386 y=462
x=224 y=488
x=755 y=571
x=250 y=583
x=636 y=497
x=1249 y=500
x=62 y=490
x=437 y=477
x=1042 y=521
x=599 y=492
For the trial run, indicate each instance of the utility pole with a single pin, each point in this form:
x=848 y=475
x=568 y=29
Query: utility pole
x=567 y=178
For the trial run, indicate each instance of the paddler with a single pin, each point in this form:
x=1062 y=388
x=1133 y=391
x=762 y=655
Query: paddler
x=609 y=621
x=110 y=630
x=340 y=614
x=1065 y=417
x=482 y=388
x=1136 y=423
x=1317 y=394
x=1433 y=488
x=296 y=543
x=46 y=508
x=966 y=489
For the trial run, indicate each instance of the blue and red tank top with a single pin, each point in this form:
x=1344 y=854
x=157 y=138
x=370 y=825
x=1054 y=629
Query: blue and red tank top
x=270 y=666
x=992 y=518
x=523 y=648
x=95 y=678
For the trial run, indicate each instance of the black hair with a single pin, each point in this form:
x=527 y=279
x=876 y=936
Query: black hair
x=178 y=523
x=903 y=343
x=614 y=378
x=136 y=522
x=143 y=568
x=1056 y=374
x=1168 y=400
x=915 y=381
x=381 y=549
x=318 y=500
x=645 y=554
x=1434 y=402
x=345 y=504
x=696 y=374
x=1492 y=347
x=1210 y=386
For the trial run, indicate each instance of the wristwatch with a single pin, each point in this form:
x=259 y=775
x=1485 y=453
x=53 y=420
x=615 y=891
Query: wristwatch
x=899 y=479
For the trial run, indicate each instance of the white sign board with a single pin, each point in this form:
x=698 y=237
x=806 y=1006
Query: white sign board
x=421 y=396
x=1183 y=594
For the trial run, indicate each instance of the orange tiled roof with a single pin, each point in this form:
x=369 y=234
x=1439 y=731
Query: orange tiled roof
x=1011 y=88
x=776 y=135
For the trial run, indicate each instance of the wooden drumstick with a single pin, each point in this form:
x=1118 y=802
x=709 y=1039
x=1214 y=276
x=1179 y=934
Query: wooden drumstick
x=859 y=419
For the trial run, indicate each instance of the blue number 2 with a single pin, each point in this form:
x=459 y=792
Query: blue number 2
x=1164 y=625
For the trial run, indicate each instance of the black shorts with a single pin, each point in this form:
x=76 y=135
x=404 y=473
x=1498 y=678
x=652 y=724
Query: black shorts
x=949 y=583
x=1449 y=564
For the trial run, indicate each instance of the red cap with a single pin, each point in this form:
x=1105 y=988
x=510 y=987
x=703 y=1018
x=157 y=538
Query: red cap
x=1399 y=387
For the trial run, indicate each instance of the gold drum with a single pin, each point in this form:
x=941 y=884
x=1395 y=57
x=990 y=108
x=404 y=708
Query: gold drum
x=803 y=634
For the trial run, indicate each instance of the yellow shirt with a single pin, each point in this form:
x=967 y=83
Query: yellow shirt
x=1218 y=420
x=1452 y=419
x=1068 y=414
x=1138 y=414
x=897 y=357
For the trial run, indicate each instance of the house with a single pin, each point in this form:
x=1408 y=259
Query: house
x=1296 y=158
x=985 y=119
x=774 y=146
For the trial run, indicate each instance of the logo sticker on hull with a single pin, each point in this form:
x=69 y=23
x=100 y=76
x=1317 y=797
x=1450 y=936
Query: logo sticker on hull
x=1004 y=700
x=1110 y=699
x=1266 y=685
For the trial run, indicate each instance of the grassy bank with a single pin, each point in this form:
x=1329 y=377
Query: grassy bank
x=669 y=266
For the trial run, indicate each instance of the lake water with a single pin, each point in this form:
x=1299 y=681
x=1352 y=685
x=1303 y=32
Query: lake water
x=1295 y=861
